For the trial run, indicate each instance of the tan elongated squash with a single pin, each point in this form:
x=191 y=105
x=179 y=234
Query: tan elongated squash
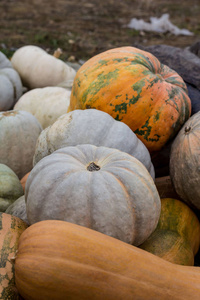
x=60 y=260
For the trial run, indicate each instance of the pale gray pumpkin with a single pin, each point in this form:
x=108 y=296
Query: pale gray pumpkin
x=18 y=209
x=11 y=87
x=46 y=104
x=97 y=187
x=10 y=187
x=39 y=69
x=19 y=131
x=185 y=162
x=94 y=127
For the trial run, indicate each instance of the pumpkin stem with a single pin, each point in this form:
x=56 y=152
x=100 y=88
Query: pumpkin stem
x=57 y=53
x=14 y=257
x=187 y=129
x=93 y=167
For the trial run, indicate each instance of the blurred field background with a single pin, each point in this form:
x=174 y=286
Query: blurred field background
x=83 y=28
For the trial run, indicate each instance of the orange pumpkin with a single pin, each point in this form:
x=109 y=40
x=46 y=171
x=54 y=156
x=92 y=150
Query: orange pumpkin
x=134 y=87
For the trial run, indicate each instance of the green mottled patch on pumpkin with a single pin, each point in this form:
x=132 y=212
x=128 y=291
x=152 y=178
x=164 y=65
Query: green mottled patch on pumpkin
x=121 y=108
x=101 y=81
x=171 y=100
x=118 y=118
x=146 y=131
x=102 y=62
x=157 y=116
x=118 y=96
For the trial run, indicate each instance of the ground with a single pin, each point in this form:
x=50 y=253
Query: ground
x=83 y=28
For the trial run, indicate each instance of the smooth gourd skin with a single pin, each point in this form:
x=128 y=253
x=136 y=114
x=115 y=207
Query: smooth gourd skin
x=134 y=87
x=10 y=187
x=97 y=187
x=177 y=235
x=10 y=230
x=60 y=260
x=185 y=162
x=39 y=69
x=91 y=127
x=46 y=104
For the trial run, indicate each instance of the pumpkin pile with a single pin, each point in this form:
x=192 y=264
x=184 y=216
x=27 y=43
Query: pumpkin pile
x=83 y=214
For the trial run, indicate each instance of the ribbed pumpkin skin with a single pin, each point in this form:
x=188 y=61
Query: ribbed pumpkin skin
x=135 y=88
x=18 y=209
x=10 y=187
x=59 y=260
x=10 y=230
x=93 y=127
x=19 y=131
x=177 y=235
x=97 y=187
x=185 y=162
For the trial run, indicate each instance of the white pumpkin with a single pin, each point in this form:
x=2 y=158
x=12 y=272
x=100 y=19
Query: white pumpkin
x=46 y=104
x=39 y=69
x=97 y=187
x=19 y=131
x=91 y=126
x=11 y=87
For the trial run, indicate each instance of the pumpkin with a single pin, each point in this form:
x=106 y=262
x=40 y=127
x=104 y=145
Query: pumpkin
x=18 y=209
x=39 y=69
x=10 y=84
x=177 y=235
x=10 y=187
x=98 y=187
x=24 y=179
x=134 y=87
x=19 y=131
x=185 y=162
x=91 y=127
x=60 y=260
x=46 y=104
x=10 y=230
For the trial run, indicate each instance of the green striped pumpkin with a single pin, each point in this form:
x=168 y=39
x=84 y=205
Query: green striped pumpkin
x=134 y=87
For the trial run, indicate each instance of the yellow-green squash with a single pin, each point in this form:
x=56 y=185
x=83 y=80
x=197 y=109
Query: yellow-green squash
x=177 y=235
